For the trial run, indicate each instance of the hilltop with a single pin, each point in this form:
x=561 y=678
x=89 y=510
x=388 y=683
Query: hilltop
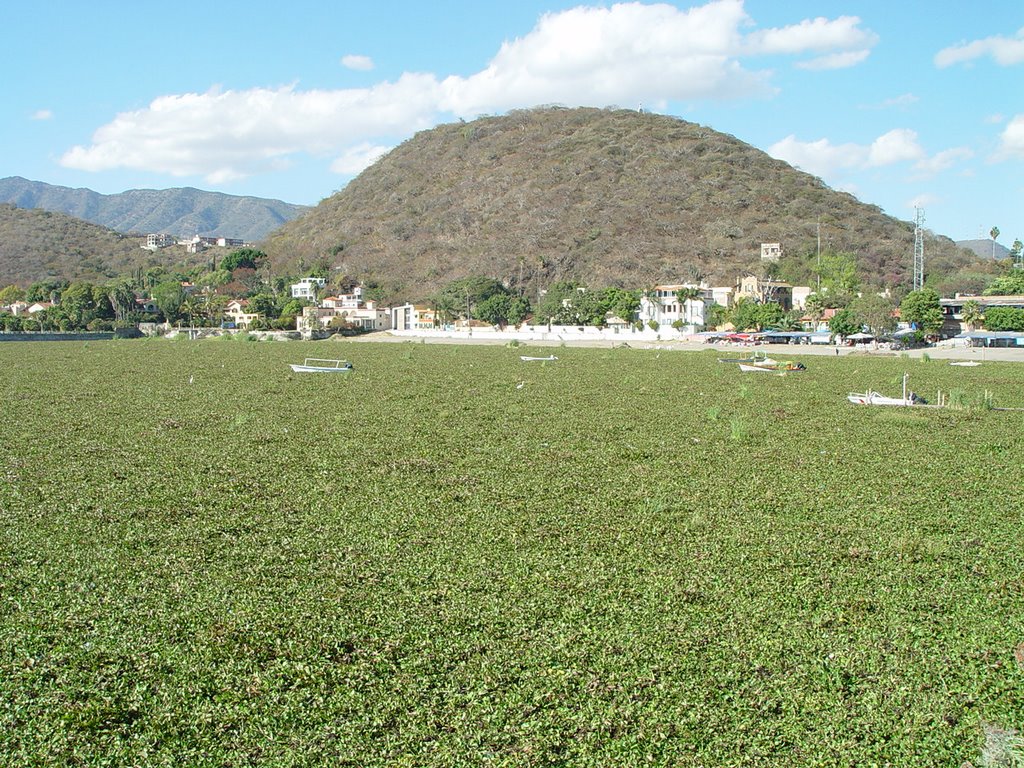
x=37 y=245
x=985 y=249
x=609 y=197
x=181 y=211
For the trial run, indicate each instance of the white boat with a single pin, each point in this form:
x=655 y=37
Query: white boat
x=755 y=359
x=772 y=366
x=966 y=363
x=528 y=359
x=876 y=398
x=321 y=365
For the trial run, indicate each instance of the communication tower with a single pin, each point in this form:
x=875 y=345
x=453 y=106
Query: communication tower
x=919 y=249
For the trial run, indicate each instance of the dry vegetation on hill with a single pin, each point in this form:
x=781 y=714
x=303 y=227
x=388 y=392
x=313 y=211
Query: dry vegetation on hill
x=610 y=197
x=38 y=245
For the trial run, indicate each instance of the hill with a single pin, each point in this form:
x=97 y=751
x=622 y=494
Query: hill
x=183 y=211
x=37 y=245
x=610 y=197
x=985 y=248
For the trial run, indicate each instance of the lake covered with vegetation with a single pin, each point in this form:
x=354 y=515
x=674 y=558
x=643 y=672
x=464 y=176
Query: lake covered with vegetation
x=452 y=557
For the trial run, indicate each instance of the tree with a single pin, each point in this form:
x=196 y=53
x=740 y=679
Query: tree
x=1007 y=285
x=494 y=309
x=971 y=315
x=45 y=290
x=922 y=310
x=264 y=304
x=876 y=312
x=10 y=294
x=249 y=258
x=686 y=297
x=121 y=294
x=843 y=323
x=1004 y=319
x=459 y=297
x=994 y=234
x=78 y=304
x=1016 y=252
x=621 y=303
x=169 y=296
x=814 y=306
x=839 y=281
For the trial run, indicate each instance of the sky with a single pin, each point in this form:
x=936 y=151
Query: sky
x=906 y=105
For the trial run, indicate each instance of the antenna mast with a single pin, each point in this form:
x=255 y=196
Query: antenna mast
x=918 y=249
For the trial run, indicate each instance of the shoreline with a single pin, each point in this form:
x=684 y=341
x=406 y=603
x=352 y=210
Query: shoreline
x=978 y=354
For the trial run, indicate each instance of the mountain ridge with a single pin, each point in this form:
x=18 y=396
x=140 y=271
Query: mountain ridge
x=180 y=211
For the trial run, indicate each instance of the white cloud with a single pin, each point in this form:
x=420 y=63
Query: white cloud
x=627 y=53
x=818 y=35
x=822 y=157
x=354 y=61
x=42 y=114
x=232 y=134
x=894 y=147
x=835 y=61
x=832 y=161
x=1005 y=51
x=356 y=159
x=944 y=160
x=1011 y=141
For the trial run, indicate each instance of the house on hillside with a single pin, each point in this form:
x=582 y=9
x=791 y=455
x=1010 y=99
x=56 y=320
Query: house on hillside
x=157 y=240
x=307 y=287
x=39 y=306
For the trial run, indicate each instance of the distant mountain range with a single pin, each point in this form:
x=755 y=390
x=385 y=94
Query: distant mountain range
x=985 y=248
x=182 y=212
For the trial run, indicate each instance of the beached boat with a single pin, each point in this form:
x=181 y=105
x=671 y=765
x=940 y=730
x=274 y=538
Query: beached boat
x=321 y=365
x=528 y=359
x=755 y=359
x=772 y=366
x=876 y=398
x=966 y=363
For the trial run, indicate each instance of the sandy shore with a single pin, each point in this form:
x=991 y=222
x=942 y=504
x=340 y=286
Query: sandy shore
x=1009 y=354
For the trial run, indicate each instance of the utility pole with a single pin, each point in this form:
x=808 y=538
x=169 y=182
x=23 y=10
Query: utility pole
x=919 y=249
x=818 y=227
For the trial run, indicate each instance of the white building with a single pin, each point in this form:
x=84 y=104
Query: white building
x=157 y=240
x=771 y=251
x=662 y=305
x=411 y=317
x=307 y=287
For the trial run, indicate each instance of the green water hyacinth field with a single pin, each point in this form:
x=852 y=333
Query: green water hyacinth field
x=450 y=557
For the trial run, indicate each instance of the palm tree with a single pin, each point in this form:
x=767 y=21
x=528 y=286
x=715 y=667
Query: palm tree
x=686 y=297
x=971 y=315
x=815 y=309
x=994 y=233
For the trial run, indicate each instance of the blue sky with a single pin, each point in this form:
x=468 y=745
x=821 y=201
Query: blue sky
x=899 y=103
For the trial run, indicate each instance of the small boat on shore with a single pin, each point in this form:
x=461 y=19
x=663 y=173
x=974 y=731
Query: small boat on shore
x=772 y=366
x=321 y=365
x=755 y=359
x=528 y=359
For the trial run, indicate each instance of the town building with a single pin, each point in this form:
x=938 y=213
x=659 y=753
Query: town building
x=307 y=287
